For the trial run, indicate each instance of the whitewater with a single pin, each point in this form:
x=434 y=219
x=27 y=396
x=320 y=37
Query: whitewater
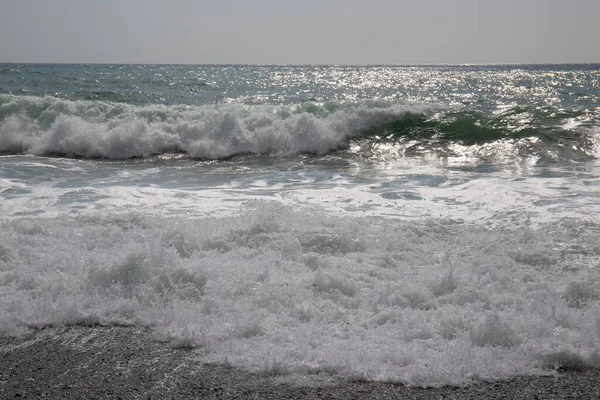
x=428 y=225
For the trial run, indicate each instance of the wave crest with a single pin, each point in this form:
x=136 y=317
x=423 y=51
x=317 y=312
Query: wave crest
x=96 y=129
x=50 y=126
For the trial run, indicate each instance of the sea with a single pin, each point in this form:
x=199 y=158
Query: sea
x=427 y=225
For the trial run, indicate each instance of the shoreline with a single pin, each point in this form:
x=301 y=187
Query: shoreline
x=126 y=362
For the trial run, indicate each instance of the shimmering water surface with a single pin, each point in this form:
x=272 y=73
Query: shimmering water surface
x=420 y=224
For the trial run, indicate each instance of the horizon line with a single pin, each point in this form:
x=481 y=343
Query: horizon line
x=313 y=64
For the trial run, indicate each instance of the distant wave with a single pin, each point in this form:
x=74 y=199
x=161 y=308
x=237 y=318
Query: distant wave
x=102 y=129
x=8 y=71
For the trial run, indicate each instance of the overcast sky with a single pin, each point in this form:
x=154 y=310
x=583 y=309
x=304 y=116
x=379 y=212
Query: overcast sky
x=300 y=31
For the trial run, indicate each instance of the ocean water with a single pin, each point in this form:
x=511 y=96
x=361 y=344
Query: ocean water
x=420 y=224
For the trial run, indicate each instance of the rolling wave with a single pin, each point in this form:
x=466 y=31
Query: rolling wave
x=513 y=133
x=48 y=126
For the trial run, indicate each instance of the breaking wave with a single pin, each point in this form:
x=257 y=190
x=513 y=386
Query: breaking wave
x=49 y=126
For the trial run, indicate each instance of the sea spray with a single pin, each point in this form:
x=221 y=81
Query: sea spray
x=265 y=290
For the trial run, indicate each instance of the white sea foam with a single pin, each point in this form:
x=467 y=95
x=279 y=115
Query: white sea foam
x=407 y=189
x=424 y=303
x=48 y=125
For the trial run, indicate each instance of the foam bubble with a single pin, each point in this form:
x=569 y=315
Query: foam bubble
x=278 y=290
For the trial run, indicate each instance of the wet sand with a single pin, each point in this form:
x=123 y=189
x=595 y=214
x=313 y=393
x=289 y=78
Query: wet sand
x=126 y=363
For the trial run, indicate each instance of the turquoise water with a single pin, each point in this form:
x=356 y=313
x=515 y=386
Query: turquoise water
x=420 y=224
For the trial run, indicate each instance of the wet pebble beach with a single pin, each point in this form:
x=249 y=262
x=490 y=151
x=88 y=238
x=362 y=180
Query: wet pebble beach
x=127 y=363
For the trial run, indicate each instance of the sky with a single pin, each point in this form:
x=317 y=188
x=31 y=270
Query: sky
x=300 y=32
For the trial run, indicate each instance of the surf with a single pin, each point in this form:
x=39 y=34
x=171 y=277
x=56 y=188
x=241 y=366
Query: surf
x=49 y=126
